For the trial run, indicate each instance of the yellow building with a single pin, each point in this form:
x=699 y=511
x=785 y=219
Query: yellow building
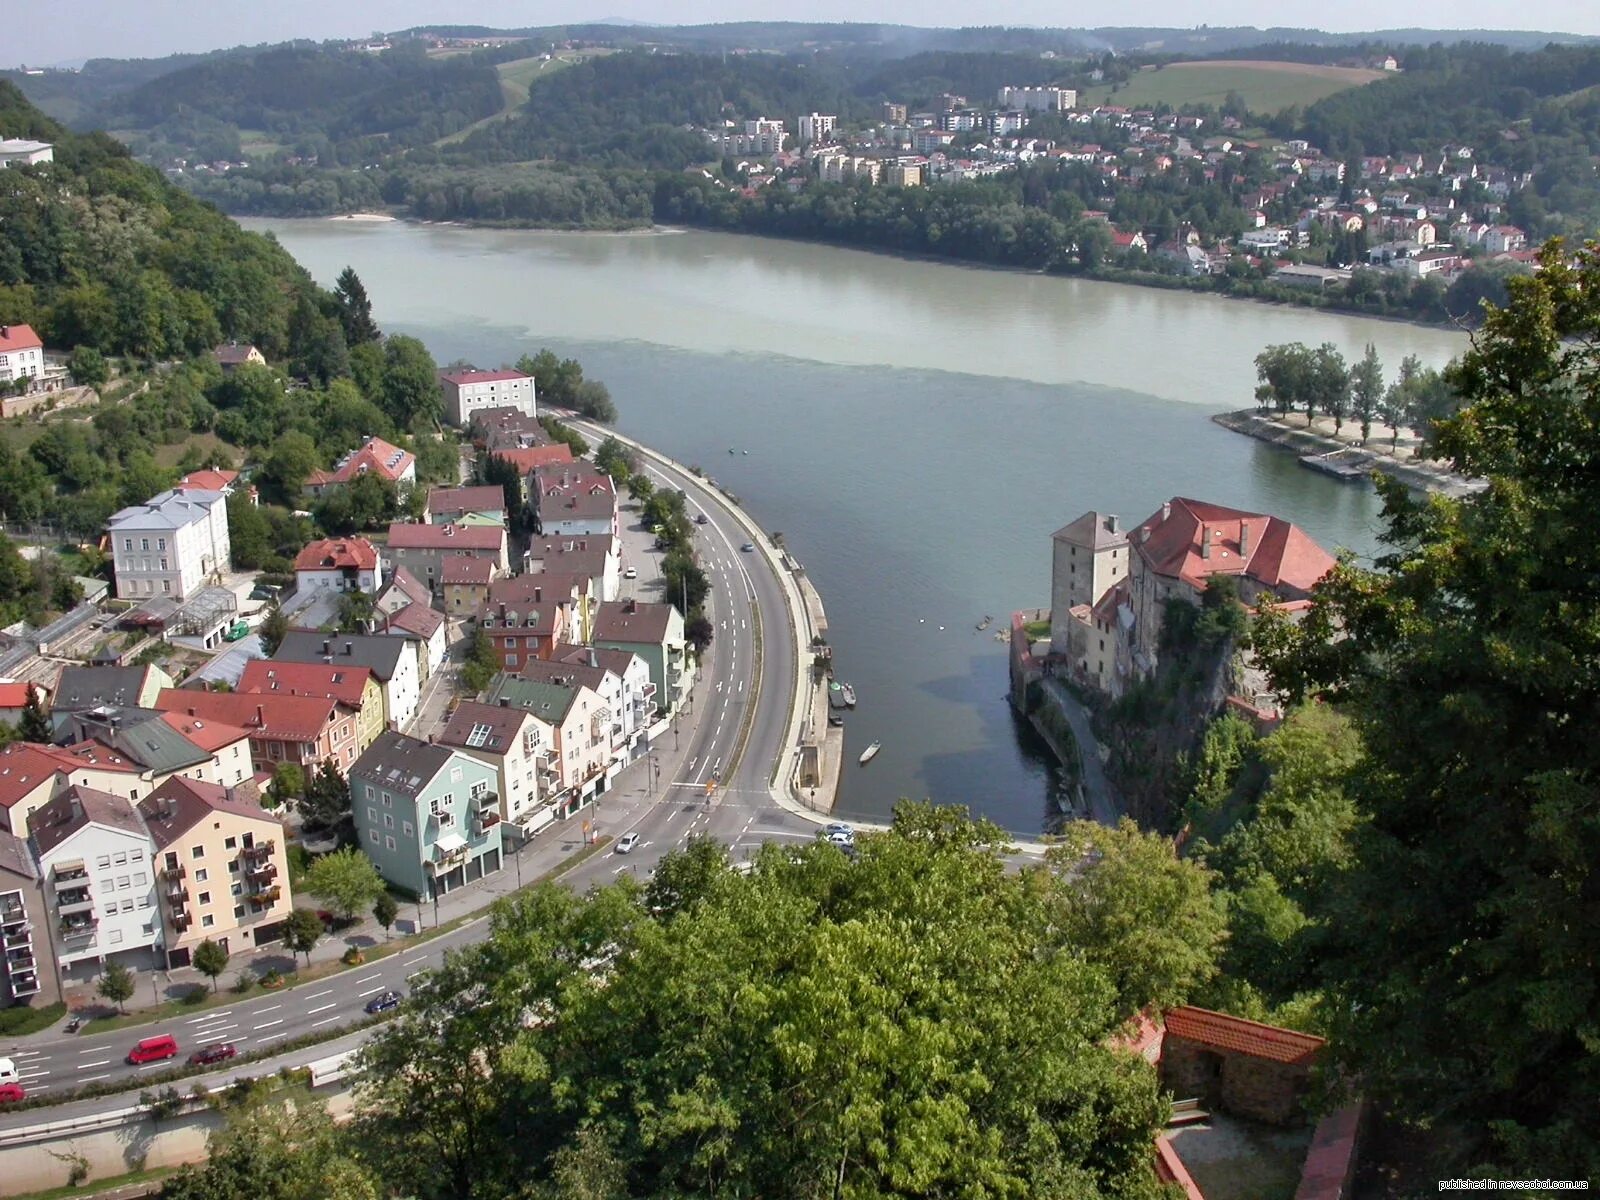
x=223 y=868
x=353 y=687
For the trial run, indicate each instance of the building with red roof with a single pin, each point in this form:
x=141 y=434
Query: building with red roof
x=212 y=479
x=1243 y=1067
x=468 y=392
x=528 y=459
x=14 y=699
x=21 y=354
x=374 y=456
x=304 y=730
x=574 y=500
x=340 y=564
x=353 y=687
x=422 y=549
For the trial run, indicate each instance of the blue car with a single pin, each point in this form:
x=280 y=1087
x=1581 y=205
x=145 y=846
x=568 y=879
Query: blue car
x=384 y=1001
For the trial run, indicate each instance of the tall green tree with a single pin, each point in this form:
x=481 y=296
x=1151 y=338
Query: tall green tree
x=302 y=930
x=34 y=724
x=1366 y=390
x=116 y=984
x=409 y=391
x=211 y=960
x=1460 y=955
x=347 y=880
x=355 y=309
x=326 y=805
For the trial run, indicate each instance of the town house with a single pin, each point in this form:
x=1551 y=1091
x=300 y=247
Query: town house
x=339 y=564
x=574 y=500
x=392 y=661
x=636 y=702
x=171 y=545
x=526 y=616
x=304 y=730
x=576 y=727
x=374 y=456
x=598 y=557
x=454 y=506
x=655 y=633
x=512 y=742
x=425 y=628
x=354 y=688
x=422 y=549
x=466 y=583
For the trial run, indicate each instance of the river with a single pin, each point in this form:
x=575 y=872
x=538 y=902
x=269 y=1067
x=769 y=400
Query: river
x=916 y=430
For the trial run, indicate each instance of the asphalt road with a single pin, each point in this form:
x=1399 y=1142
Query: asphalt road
x=662 y=798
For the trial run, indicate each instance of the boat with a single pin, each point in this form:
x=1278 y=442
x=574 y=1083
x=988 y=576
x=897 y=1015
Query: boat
x=984 y=624
x=849 y=694
x=835 y=720
x=730 y=449
x=836 y=696
x=744 y=452
x=869 y=752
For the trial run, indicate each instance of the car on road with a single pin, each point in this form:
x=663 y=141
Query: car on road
x=700 y=519
x=153 y=1049
x=627 y=842
x=748 y=547
x=10 y=1093
x=842 y=839
x=631 y=573
x=834 y=827
x=383 y=1002
x=208 y=1056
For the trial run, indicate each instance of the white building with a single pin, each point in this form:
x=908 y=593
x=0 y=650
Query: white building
x=21 y=353
x=467 y=392
x=96 y=859
x=638 y=696
x=340 y=564
x=20 y=152
x=171 y=545
x=512 y=742
x=1037 y=99
x=817 y=127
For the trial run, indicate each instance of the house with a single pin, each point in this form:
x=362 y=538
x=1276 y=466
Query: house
x=1302 y=275
x=1238 y=1066
x=466 y=583
x=223 y=867
x=506 y=429
x=14 y=700
x=354 y=688
x=232 y=356
x=526 y=616
x=304 y=730
x=1191 y=260
x=598 y=559
x=512 y=742
x=392 y=661
x=468 y=392
x=571 y=501
x=1269 y=239
x=816 y=127
x=374 y=456
x=636 y=709
x=135 y=750
x=1088 y=557
x=421 y=549
x=1504 y=239
x=604 y=683
x=94 y=855
x=24 y=152
x=21 y=353
x=1429 y=262
x=423 y=625
x=426 y=814
x=338 y=564
x=1129 y=241
x=172 y=545
x=575 y=724
x=30 y=775
x=31 y=975
x=452 y=506
x=402 y=589
x=655 y=633
x=212 y=480
x=528 y=459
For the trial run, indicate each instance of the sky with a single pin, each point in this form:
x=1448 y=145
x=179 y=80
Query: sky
x=50 y=32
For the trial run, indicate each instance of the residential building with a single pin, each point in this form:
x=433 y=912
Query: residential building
x=893 y=114
x=469 y=392
x=817 y=127
x=426 y=814
x=1267 y=240
x=512 y=742
x=393 y=661
x=139 y=748
x=638 y=704
x=1303 y=275
x=421 y=549
x=598 y=559
x=231 y=356
x=402 y=589
x=355 y=688
x=527 y=615
x=338 y=564
x=30 y=775
x=25 y=152
x=528 y=459
x=31 y=975
x=14 y=696
x=1037 y=99
x=94 y=855
x=304 y=730
x=425 y=627
x=172 y=545
x=600 y=680
x=903 y=174
x=574 y=500
x=1088 y=557
x=223 y=867
x=655 y=633
x=213 y=480
x=374 y=455
x=452 y=506
x=575 y=725
x=466 y=583
x=506 y=429
x=762 y=136
x=21 y=353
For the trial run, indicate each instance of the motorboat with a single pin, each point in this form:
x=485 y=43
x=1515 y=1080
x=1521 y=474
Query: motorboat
x=984 y=624
x=836 y=695
x=870 y=753
x=849 y=694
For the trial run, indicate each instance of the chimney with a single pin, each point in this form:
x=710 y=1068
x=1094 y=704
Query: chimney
x=327 y=646
x=1205 y=544
x=1244 y=540
x=1166 y=509
x=349 y=648
x=1111 y=522
x=504 y=703
x=261 y=717
x=191 y=712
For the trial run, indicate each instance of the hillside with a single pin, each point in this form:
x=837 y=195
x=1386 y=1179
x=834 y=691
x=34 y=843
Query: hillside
x=1265 y=87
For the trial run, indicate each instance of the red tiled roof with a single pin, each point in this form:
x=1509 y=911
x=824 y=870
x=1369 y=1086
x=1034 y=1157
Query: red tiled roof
x=208 y=480
x=23 y=767
x=260 y=714
x=464 y=568
x=210 y=736
x=180 y=804
x=1277 y=553
x=1241 y=1036
x=14 y=695
x=19 y=337
x=341 y=683
x=418 y=619
x=466 y=499
x=337 y=554
x=376 y=455
x=531 y=458
x=465 y=538
x=460 y=377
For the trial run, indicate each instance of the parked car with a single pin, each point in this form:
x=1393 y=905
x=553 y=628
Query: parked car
x=631 y=573
x=700 y=519
x=10 y=1093
x=748 y=547
x=834 y=827
x=153 y=1049
x=627 y=842
x=842 y=839
x=210 y=1055
x=384 y=1001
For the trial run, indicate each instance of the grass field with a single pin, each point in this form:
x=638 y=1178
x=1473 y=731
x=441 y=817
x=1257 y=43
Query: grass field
x=1267 y=87
x=516 y=77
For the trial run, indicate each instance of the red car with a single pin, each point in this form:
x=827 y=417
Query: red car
x=10 y=1093
x=209 y=1055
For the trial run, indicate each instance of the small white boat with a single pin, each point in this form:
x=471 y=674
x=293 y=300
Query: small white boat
x=869 y=752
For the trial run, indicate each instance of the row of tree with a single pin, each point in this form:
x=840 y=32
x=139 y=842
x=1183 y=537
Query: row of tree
x=1294 y=375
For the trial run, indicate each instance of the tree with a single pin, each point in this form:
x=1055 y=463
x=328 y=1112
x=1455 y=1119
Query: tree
x=1285 y=373
x=409 y=392
x=355 y=310
x=592 y=399
x=1366 y=390
x=302 y=930
x=699 y=632
x=483 y=663
x=274 y=628
x=34 y=725
x=326 y=807
x=293 y=458
x=211 y=960
x=347 y=880
x=1330 y=386
x=288 y=783
x=356 y=610
x=384 y=911
x=87 y=366
x=1460 y=945
x=116 y=984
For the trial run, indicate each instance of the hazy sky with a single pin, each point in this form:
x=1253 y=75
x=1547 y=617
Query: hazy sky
x=50 y=31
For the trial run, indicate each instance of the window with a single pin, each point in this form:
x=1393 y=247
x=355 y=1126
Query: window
x=480 y=788
x=388 y=843
x=479 y=735
x=104 y=861
x=455 y=774
x=230 y=843
x=511 y=643
x=207 y=921
x=388 y=800
x=116 y=937
x=511 y=660
x=388 y=820
x=372 y=813
x=127 y=543
x=140 y=879
x=238 y=912
x=372 y=835
x=164 y=566
x=144 y=543
x=200 y=875
x=166 y=585
x=107 y=885
x=147 y=902
x=236 y=889
x=233 y=867
x=197 y=851
x=161 y=543
x=204 y=898
x=370 y=792
x=122 y=882
x=405 y=828
x=172 y=860
x=127 y=905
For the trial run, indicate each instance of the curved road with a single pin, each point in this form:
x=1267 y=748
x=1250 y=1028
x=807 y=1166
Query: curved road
x=718 y=737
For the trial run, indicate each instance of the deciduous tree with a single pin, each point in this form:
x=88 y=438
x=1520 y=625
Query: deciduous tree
x=347 y=880
x=211 y=960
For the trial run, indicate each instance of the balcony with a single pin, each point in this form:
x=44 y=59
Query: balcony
x=175 y=893
x=70 y=904
x=15 y=933
x=181 y=922
x=177 y=872
x=260 y=852
x=78 y=932
x=70 y=872
x=20 y=961
x=266 y=896
x=449 y=853
x=488 y=818
x=24 y=985
x=262 y=875
x=12 y=910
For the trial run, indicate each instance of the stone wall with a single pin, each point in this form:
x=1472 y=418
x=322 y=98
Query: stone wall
x=1237 y=1083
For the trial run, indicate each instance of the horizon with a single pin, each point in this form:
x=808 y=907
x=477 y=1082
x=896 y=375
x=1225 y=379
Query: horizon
x=67 y=33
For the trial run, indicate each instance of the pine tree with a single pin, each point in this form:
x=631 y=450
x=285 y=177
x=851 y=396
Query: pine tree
x=35 y=724
x=355 y=309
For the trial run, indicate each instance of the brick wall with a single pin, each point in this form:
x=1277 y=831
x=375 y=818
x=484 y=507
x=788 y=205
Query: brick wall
x=1237 y=1083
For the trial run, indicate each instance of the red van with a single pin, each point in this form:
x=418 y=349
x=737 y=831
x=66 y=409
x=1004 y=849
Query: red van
x=153 y=1049
x=10 y=1093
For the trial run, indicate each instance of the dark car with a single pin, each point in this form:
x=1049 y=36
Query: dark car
x=208 y=1056
x=384 y=1001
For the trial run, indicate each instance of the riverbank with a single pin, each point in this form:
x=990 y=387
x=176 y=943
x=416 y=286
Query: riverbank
x=1343 y=457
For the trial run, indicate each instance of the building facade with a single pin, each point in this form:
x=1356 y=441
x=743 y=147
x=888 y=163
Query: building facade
x=393 y=661
x=338 y=564
x=512 y=742
x=469 y=392
x=355 y=688
x=655 y=633
x=30 y=975
x=1088 y=557
x=21 y=353
x=172 y=545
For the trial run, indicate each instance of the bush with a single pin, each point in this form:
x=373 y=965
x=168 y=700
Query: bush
x=195 y=995
x=244 y=983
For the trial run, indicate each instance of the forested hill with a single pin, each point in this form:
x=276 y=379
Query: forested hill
x=99 y=250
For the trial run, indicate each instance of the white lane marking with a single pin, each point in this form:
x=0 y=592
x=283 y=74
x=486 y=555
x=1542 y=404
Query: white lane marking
x=104 y=1062
x=216 y=1029
x=311 y=1012
x=27 y=1054
x=95 y=1050
x=269 y=1008
x=45 y=1087
x=208 y=1040
x=414 y=974
x=209 y=1018
x=323 y=992
x=417 y=959
x=34 y=1075
x=741 y=686
x=156 y=1066
x=92 y=1078
x=324 y=1021
x=370 y=992
x=620 y=869
x=270 y=1024
x=369 y=978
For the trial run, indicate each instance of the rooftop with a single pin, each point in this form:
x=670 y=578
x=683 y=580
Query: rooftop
x=460 y=378
x=630 y=621
x=172 y=509
x=1191 y=540
x=15 y=857
x=374 y=650
x=477 y=726
x=464 y=538
x=337 y=554
x=401 y=764
x=417 y=619
x=466 y=499
x=374 y=454
x=1241 y=1036
x=75 y=808
x=465 y=569
x=527 y=459
x=341 y=682
x=1097 y=530
x=180 y=804
x=409 y=586
x=260 y=714
x=19 y=337
x=549 y=702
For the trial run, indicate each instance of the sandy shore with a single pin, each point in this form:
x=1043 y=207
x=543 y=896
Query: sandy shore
x=362 y=217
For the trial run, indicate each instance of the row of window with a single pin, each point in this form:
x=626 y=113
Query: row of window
x=144 y=544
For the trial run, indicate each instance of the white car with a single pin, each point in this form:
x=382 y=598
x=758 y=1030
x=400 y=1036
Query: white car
x=627 y=842
x=631 y=573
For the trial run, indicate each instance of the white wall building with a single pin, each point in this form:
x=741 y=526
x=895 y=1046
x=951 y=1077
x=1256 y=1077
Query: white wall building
x=512 y=742
x=171 y=545
x=467 y=392
x=21 y=353
x=1037 y=99
x=817 y=127
x=21 y=152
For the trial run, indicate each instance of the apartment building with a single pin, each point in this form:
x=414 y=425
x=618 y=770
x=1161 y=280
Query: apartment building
x=576 y=727
x=573 y=501
x=526 y=616
x=172 y=545
x=354 y=688
x=655 y=633
x=30 y=975
x=304 y=730
x=512 y=742
x=467 y=393
x=422 y=549
x=338 y=564
x=392 y=661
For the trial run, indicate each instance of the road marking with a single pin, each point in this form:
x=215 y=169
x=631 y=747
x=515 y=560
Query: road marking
x=209 y=1017
x=104 y=1062
x=269 y=1008
x=95 y=1050
x=45 y=1087
x=270 y=1024
x=741 y=686
x=417 y=959
x=369 y=978
x=620 y=869
x=215 y=1029
x=369 y=992
x=324 y=1021
x=27 y=1054
x=311 y=1012
x=323 y=992
x=411 y=976
x=157 y=1066
x=92 y=1078
x=35 y=1075
x=208 y=1040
